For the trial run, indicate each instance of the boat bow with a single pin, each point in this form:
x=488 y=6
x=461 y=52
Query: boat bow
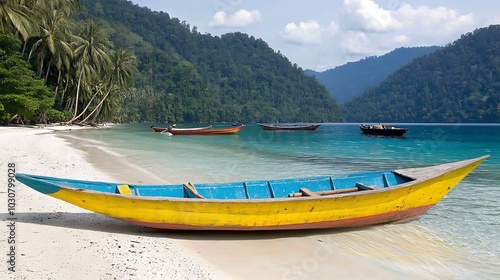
x=428 y=172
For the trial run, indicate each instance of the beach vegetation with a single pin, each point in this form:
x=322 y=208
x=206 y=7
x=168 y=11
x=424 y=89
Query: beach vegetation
x=23 y=95
x=73 y=59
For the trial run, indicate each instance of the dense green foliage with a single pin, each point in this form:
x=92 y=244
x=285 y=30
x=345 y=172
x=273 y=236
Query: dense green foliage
x=459 y=83
x=80 y=73
x=22 y=94
x=354 y=78
x=186 y=76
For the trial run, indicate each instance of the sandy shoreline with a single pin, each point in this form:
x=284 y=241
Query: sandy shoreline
x=55 y=240
x=59 y=241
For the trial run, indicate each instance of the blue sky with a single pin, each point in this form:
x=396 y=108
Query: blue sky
x=322 y=34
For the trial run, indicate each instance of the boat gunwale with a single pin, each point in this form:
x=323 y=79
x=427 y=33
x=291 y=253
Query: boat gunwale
x=189 y=128
x=207 y=130
x=437 y=170
x=289 y=126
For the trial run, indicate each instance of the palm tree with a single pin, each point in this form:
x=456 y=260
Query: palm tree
x=55 y=35
x=91 y=56
x=65 y=6
x=16 y=18
x=54 y=42
x=120 y=75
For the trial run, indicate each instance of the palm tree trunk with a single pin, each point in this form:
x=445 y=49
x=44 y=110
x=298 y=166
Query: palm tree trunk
x=69 y=105
x=64 y=90
x=86 y=107
x=77 y=93
x=48 y=71
x=25 y=43
x=41 y=69
x=98 y=105
x=57 y=85
x=97 y=114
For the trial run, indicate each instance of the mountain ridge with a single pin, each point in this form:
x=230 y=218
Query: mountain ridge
x=352 y=79
x=458 y=83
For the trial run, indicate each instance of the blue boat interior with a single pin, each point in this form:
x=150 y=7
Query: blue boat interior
x=322 y=185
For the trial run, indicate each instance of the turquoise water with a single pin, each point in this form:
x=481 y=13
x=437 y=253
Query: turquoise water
x=467 y=219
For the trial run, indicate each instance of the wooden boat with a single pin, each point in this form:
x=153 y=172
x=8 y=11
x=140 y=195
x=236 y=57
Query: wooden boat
x=158 y=129
x=163 y=129
x=205 y=131
x=352 y=200
x=289 y=126
x=383 y=130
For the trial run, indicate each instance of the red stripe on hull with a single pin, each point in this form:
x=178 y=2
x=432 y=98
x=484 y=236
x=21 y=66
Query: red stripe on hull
x=392 y=217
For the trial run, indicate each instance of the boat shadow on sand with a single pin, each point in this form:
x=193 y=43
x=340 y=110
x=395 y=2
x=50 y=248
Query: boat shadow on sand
x=96 y=222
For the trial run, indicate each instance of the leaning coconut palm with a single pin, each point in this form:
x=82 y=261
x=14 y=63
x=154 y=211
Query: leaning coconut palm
x=91 y=50
x=108 y=109
x=120 y=75
x=96 y=87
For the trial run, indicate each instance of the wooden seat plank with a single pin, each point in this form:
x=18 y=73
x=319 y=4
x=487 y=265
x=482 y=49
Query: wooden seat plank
x=308 y=192
x=363 y=187
x=193 y=190
x=124 y=189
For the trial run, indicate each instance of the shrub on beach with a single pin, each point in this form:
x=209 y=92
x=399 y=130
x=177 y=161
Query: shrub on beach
x=23 y=96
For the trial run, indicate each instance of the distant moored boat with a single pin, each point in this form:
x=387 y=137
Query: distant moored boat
x=289 y=126
x=205 y=130
x=383 y=130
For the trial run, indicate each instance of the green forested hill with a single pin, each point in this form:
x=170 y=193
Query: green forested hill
x=186 y=76
x=352 y=79
x=459 y=83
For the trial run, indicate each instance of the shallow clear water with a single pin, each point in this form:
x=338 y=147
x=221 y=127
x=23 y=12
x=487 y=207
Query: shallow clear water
x=467 y=219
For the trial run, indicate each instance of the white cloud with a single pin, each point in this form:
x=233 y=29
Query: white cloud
x=305 y=33
x=427 y=21
x=331 y=30
x=401 y=38
x=368 y=16
x=365 y=28
x=240 y=18
x=368 y=29
x=310 y=32
x=356 y=43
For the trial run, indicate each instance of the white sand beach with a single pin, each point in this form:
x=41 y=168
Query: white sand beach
x=55 y=240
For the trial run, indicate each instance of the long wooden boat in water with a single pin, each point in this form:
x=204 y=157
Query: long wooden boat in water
x=205 y=131
x=383 y=130
x=165 y=129
x=289 y=126
x=352 y=200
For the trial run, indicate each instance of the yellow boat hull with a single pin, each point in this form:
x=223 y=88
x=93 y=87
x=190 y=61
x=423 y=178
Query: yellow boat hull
x=396 y=204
